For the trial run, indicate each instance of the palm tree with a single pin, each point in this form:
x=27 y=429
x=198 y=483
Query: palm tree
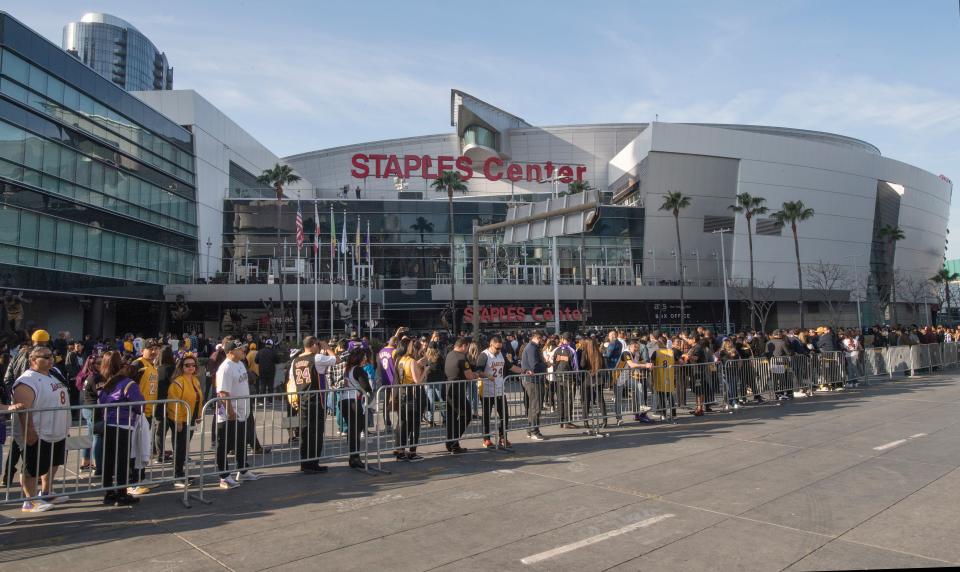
x=578 y=187
x=891 y=234
x=945 y=277
x=276 y=177
x=792 y=213
x=450 y=181
x=675 y=201
x=422 y=226
x=749 y=206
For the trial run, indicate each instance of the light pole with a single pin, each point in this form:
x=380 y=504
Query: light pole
x=209 y=244
x=653 y=259
x=554 y=262
x=696 y=253
x=723 y=266
x=856 y=285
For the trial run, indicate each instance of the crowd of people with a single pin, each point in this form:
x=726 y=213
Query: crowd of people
x=121 y=389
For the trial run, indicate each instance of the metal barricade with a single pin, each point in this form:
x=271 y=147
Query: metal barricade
x=828 y=369
x=898 y=360
x=950 y=355
x=874 y=362
x=113 y=449
x=280 y=429
x=697 y=385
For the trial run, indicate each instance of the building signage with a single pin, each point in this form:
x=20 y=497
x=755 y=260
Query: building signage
x=427 y=167
x=516 y=314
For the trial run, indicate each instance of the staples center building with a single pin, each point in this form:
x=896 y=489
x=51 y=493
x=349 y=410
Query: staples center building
x=627 y=270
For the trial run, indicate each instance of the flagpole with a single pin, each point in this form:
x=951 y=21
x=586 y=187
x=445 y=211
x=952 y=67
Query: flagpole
x=316 y=270
x=343 y=251
x=300 y=230
x=333 y=248
x=356 y=263
x=369 y=285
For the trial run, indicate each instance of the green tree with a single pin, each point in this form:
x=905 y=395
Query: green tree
x=422 y=226
x=891 y=234
x=277 y=177
x=450 y=182
x=750 y=206
x=674 y=202
x=945 y=277
x=578 y=187
x=791 y=213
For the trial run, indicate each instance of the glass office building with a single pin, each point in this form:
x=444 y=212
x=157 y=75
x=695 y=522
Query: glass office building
x=118 y=51
x=98 y=196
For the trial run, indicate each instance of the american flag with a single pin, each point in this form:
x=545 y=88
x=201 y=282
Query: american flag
x=299 y=228
x=316 y=231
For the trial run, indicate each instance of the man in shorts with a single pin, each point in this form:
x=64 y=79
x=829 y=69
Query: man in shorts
x=42 y=434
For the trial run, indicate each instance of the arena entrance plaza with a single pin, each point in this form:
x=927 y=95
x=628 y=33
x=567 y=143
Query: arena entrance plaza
x=865 y=478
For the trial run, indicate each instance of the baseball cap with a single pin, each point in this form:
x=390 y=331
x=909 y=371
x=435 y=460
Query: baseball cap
x=232 y=345
x=40 y=336
x=268 y=342
x=152 y=343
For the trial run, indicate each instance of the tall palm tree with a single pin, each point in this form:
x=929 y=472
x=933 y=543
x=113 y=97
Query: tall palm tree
x=674 y=202
x=749 y=206
x=450 y=181
x=422 y=226
x=792 y=213
x=890 y=234
x=277 y=177
x=945 y=277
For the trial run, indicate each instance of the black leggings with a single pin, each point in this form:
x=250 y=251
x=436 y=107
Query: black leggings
x=116 y=457
x=408 y=429
x=352 y=412
x=179 y=436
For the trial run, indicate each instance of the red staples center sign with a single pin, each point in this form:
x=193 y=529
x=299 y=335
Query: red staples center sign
x=501 y=314
x=427 y=167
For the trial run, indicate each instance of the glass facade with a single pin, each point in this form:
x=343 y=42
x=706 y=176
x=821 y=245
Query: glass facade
x=96 y=188
x=119 y=52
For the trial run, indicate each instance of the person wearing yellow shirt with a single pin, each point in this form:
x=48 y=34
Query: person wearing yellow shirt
x=148 y=379
x=185 y=386
x=410 y=370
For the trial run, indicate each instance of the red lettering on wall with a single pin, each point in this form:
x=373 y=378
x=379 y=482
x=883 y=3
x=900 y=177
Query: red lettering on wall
x=393 y=167
x=410 y=163
x=565 y=174
x=465 y=166
x=488 y=170
x=514 y=172
x=360 y=170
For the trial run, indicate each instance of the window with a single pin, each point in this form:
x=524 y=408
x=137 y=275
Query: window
x=9 y=226
x=28 y=229
x=715 y=223
x=11 y=142
x=768 y=227
x=15 y=67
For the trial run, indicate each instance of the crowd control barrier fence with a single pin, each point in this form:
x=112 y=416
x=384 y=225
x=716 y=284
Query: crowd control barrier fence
x=150 y=444
x=54 y=450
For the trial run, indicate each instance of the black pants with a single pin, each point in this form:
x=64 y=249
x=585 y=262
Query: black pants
x=252 y=439
x=116 y=457
x=500 y=403
x=352 y=412
x=593 y=395
x=231 y=435
x=408 y=428
x=566 y=391
x=10 y=463
x=459 y=413
x=532 y=391
x=313 y=417
x=179 y=436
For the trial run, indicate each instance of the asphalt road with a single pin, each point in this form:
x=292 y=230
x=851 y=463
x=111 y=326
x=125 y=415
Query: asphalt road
x=860 y=479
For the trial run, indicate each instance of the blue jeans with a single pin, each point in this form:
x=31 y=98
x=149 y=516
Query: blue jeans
x=433 y=396
x=87 y=415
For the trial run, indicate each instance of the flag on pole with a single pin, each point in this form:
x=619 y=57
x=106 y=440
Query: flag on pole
x=316 y=230
x=333 y=235
x=343 y=235
x=356 y=243
x=369 y=259
x=299 y=229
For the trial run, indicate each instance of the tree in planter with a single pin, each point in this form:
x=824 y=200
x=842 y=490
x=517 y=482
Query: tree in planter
x=943 y=278
x=450 y=182
x=422 y=226
x=277 y=177
x=764 y=302
x=791 y=213
x=750 y=206
x=890 y=235
x=674 y=202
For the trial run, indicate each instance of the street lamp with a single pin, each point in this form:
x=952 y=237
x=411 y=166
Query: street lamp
x=723 y=265
x=554 y=262
x=653 y=259
x=856 y=285
x=696 y=253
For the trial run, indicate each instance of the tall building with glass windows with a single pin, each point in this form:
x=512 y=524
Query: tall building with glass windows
x=118 y=51
x=97 y=193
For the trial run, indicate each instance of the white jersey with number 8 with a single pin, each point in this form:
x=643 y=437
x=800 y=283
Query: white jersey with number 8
x=49 y=393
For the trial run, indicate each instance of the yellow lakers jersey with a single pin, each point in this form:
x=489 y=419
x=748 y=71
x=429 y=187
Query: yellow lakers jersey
x=663 y=373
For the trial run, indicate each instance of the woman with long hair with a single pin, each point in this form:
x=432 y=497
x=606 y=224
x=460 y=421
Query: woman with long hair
x=117 y=429
x=89 y=372
x=410 y=373
x=184 y=386
x=592 y=361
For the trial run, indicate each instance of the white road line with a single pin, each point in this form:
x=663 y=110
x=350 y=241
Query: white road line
x=898 y=442
x=593 y=539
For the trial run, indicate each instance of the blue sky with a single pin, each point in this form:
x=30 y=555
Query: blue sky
x=308 y=75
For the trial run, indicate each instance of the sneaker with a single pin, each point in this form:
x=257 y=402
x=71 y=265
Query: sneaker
x=458 y=450
x=619 y=422
x=248 y=476
x=125 y=500
x=505 y=444
x=644 y=419
x=487 y=443
x=138 y=491
x=535 y=436
x=228 y=483
x=57 y=499
x=183 y=484
x=36 y=506
x=413 y=457
x=5 y=520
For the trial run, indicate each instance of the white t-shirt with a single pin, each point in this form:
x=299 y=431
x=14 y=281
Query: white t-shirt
x=232 y=378
x=49 y=393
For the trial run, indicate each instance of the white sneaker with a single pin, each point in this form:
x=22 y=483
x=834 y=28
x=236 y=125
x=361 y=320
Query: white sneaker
x=248 y=476
x=36 y=506
x=58 y=499
x=228 y=483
